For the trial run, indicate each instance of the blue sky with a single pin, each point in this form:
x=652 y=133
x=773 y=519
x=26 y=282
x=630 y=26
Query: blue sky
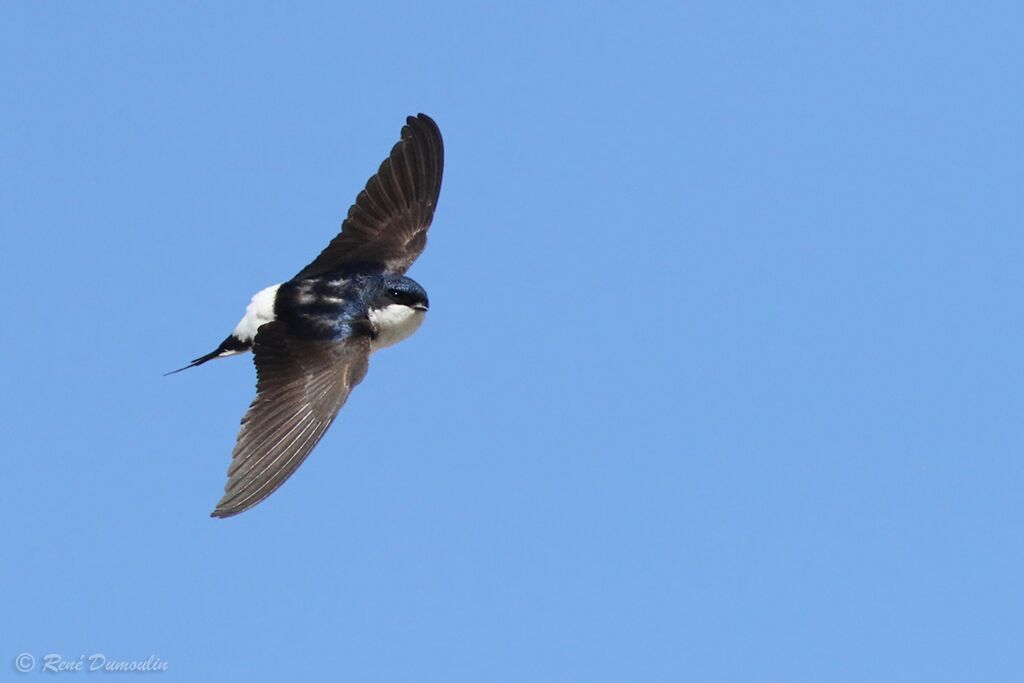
x=721 y=379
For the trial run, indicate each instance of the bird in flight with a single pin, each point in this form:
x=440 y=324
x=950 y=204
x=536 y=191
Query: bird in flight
x=312 y=336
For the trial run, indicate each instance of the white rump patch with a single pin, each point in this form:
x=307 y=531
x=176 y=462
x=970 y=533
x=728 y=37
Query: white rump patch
x=260 y=311
x=394 y=323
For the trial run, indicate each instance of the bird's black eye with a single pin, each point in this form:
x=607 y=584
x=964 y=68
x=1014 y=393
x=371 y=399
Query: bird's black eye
x=395 y=293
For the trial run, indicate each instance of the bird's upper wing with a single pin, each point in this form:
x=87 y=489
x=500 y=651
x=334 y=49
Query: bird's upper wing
x=301 y=386
x=386 y=229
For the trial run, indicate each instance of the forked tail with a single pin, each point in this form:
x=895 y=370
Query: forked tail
x=228 y=347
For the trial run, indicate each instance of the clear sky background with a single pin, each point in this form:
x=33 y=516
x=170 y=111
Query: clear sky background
x=721 y=379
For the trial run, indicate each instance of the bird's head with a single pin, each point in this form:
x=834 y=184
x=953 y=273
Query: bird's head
x=397 y=308
x=398 y=290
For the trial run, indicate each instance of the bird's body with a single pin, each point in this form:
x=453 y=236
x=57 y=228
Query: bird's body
x=312 y=335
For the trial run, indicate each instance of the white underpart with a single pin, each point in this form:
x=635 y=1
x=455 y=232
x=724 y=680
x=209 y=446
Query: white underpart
x=260 y=311
x=394 y=323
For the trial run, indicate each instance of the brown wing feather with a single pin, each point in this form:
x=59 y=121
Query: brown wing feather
x=387 y=226
x=301 y=386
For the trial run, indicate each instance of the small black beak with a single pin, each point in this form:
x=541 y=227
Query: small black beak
x=420 y=307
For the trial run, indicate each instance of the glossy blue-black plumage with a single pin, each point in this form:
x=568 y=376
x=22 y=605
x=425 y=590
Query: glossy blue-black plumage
x=337 y=307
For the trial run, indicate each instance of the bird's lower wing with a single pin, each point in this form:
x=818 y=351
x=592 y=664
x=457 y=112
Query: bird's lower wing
x=300 y=388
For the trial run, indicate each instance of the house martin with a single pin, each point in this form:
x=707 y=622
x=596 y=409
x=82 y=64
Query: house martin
x=312 y=336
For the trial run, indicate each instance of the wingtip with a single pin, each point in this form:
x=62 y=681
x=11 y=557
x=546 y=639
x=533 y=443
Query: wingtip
x=222 y=513
x=228 y=508
x=422 y=121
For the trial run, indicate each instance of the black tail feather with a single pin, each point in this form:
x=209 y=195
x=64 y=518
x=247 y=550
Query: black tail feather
x=195 y=362
x=232 y=343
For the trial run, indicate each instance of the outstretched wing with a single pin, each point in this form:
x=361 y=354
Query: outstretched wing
x=300 y=388
x=386 y=229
